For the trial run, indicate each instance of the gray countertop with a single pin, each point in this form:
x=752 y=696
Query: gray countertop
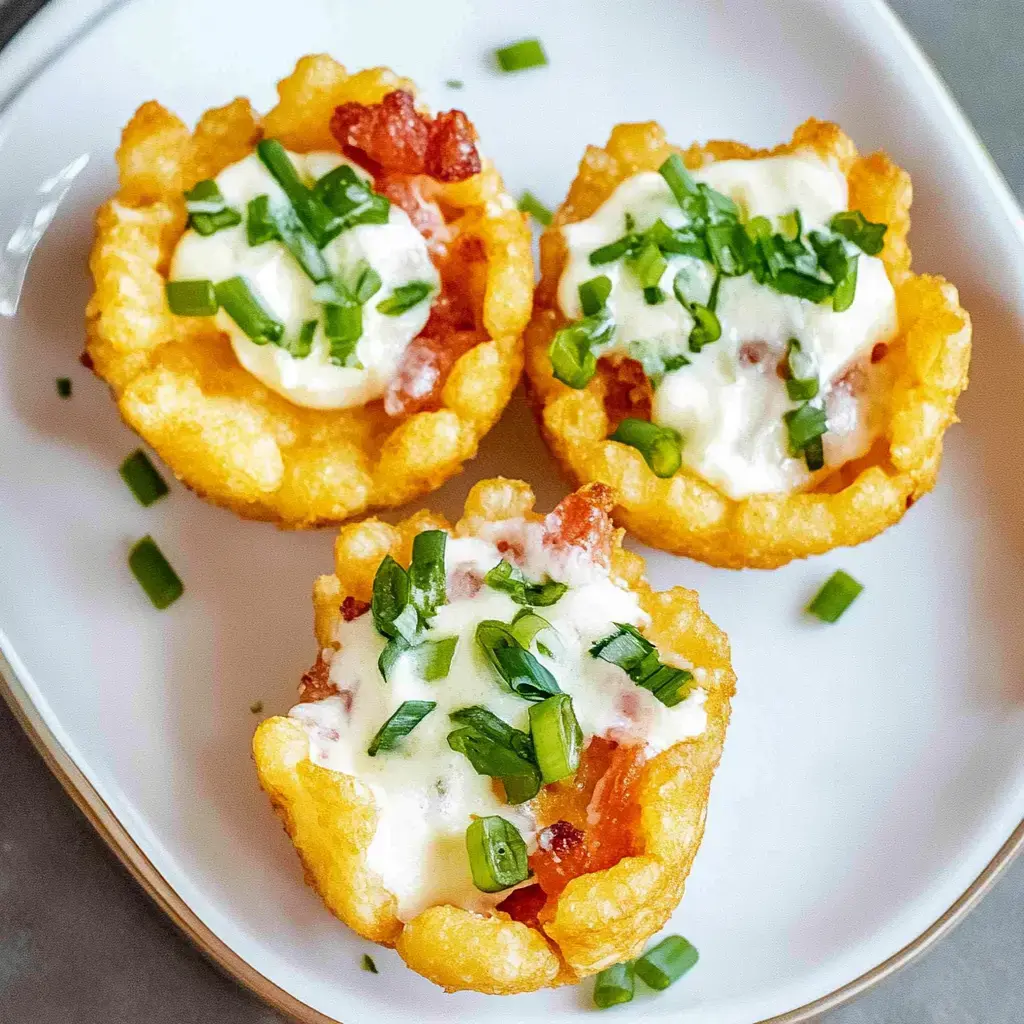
x=79 y=942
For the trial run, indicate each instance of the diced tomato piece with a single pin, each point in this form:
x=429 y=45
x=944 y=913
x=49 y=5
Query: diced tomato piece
x=524 y=904
x=581 y=520
x=424 y=368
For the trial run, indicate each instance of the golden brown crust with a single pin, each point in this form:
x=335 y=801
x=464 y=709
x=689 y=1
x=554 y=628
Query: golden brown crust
x=600 y=918
x=176 y=380
x=689 y=516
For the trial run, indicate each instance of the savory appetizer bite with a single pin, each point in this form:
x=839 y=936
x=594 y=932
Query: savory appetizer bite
x=732 y=339
x=314 y=312
x=501 y=760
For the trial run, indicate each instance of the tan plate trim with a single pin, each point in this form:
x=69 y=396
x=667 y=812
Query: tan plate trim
x=127 y=851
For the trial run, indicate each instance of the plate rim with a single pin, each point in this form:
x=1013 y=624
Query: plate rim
x=72 y=20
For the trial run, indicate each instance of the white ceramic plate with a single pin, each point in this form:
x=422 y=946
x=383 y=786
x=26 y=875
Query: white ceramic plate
x=873 y=769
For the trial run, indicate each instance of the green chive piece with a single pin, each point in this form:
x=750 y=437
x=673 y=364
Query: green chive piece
x=614 y=985
x=631 y=651
x=486 y=724
x=838 y=593
x=842 y=297
x=557 y=737
x=804 y=425
x=594 y=294
x=497 y=854
x=529 y=203
x=526 y=625
x=320 y=221
x=299 y=242
x=514 y=666
x=143 y=478
x=802 y=380
x=404 y=297
x=706 y=327
x=351 y=198
x=814 y=454
x=343 y=327
x=427 y=577
x=648 y=266
x=678 y=241
x=210 y=223
x=661 y=447
x=161 y=583
x=300 y=346
x=260 y=221
x=207 y=210
x=666 y=962
x=409 y=714
x=368 y=964
x=510 y=580
x=454 y=83
x=854 y=226
x=256 y=707
x=390 y=599
x=792 y=225
x=64 y=387
x=366 y=284
x=435 y=658
x=679 y=179
x=243 y=305
x=627 y=648
x=727 y=243
x=527 y=53
x=615 y=250
x=191 y=298
x=388 y=659
x=802 y=285
x=572 y=358
x=495 y=749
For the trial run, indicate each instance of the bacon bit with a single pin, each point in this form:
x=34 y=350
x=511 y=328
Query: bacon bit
x=464 y=584
x=421 y=375
x=316 y=683
x=352 y=608
x=451 y=150
x=852 y=381
x=615 y=810
x=753 y=353
x=413 y=193
x=879 y=352
x=86 y=360
x=524 y=905
x=910 y=500
x=628 y=391
x=392 y=136
x=581 y=520
x=560 y=857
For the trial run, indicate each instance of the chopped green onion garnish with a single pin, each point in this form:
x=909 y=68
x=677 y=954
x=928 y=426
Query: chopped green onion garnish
x=792 y=224
x=191 y=298
x=343 y=327
x=143 y=478
x=666 y=962
x=435 y=658
x=638 y=658
x=486 y=724
x=351 y=198
x=320 y=221
x=706 y=327
x=557 y=737
x=510 y=580
x=211 y=223
x=367 y=283
x=661 y=447
x=160 y=582
x=648 y=266
x=515 y=666
x=594 y=294
x=64 y=387
x=260 y=222
x=814 y=454
x=369 y=965
x=842 y=297
x=838 y=593
x=391 y=599
x=614 y=985
x=497 y=854
x=626 y=648
x=208 y=213
x=242 y=304
x=679 y=179
x=409 y=714
x=527 y=53
x=427 y=573
x=299 y=242
x=299 y=347
x=802 y=380
x=727 y=244
x=530 y=204
x=388 y=659
x=572 y=359
x=495 y=749
x=526 y=625
x=853 y=225
x=804 y=425
x=615 y=250
x=454 y=83
x=802 y=285
x=404 y=297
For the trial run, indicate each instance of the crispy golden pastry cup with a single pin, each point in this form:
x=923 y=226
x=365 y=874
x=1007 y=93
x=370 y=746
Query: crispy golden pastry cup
x=176 y=379
x=687 y=515
x=600 y=918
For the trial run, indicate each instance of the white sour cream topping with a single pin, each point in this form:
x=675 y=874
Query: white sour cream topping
x=729 y=403
x=425 y=792
x=396 y=250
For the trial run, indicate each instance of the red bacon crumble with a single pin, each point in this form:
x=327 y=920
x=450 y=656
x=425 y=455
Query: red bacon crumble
x=316 y=683
x=392 y=136
x=753 y=353
x=352 y=608
x=560 y=857
x=524 y=905
x=628 y=392
x=421 y=375
x=581 y=520
x=879 y=352
x=413 y=194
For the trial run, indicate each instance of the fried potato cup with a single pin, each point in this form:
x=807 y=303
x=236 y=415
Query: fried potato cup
x=684 y=513
x=177 y=381
x=599 y=918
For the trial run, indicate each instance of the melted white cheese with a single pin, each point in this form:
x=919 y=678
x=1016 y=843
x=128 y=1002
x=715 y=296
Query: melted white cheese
x=396 y=250
x=729 y=403
x=425 y=792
